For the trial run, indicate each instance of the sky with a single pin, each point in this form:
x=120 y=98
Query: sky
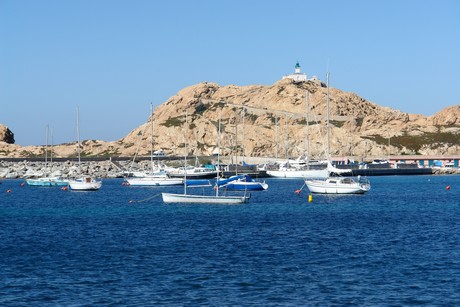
x=112 y=58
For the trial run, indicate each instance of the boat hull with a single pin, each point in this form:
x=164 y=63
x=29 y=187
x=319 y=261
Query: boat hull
x=146 y=181
x=336 y=187
x=85 y=184
x=299 y=174
x=203 y=199
x=246 y=186
x=47 y=182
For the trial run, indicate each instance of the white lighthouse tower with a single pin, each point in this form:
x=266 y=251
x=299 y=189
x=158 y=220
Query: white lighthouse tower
x=297 y=76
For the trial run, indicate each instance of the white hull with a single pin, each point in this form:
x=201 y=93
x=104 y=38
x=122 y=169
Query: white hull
x=337 y=186
x=85 y=184
x=312 y=173
x=203 y=199
x=47 y=182
x=153 y=181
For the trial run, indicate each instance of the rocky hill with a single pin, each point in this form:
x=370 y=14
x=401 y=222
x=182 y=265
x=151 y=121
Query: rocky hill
x=269 y=121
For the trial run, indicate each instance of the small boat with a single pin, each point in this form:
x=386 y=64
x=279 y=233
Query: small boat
x=47 y=181
x=290 y=173
x=242 y=183
x=203 y=199
x=85 y=184
x=156 y=179
x=42 y=180
x=192 y=172
x=338 y=185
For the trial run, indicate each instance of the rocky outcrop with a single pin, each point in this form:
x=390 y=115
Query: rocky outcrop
x=6 y=135
x=270 y=121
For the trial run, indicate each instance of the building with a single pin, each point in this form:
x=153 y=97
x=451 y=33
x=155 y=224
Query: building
x=297 y=76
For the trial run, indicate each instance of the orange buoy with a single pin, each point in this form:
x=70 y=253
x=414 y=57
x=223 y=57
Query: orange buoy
x=448 y=188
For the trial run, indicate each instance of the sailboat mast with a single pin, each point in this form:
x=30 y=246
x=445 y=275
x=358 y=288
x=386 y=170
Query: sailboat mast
x=242 y=143
x=185 y=155
x=287 y=138
x=307 y=140
x=327 y=121
x=46 y=147
x=151 y=137
x=218 y=154
x=52 y=145
x=78 y=137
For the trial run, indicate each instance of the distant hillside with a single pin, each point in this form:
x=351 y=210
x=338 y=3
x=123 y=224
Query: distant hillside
x=275 y=124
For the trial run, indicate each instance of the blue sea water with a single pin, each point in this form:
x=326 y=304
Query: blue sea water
x=399 y=244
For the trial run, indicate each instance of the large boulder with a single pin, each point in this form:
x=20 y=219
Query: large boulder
x=6 y=135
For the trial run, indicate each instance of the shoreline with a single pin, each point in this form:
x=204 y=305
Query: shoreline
x=109 y=168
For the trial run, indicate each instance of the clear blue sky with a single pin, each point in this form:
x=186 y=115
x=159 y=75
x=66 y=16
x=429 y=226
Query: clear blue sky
x=112 y=58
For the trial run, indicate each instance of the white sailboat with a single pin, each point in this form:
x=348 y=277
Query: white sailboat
x=299 y=169
x=203 y=199
x=156 y=177
x=336 y=185
x=47 y=181
x=83 y=183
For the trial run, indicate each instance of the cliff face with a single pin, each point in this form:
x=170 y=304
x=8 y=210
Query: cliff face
x=269 y=121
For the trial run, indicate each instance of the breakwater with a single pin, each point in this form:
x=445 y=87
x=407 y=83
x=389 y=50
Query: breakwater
x=70 y=168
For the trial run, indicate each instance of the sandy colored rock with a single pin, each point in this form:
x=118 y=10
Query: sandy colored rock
x=275 y=125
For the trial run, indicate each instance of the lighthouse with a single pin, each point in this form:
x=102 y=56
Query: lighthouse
x=297 y=76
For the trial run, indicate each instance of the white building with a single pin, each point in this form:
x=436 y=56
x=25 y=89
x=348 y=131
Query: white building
x=297 y=76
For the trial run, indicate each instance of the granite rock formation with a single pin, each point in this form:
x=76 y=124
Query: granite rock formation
x=271 y=121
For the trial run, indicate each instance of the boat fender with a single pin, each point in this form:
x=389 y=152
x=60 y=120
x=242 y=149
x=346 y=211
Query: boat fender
x=310 y=198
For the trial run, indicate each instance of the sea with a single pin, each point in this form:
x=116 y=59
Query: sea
x=397 y=245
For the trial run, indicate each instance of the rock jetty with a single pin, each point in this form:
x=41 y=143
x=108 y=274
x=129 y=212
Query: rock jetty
x=68 y=169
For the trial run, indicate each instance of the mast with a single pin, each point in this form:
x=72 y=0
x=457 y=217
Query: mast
x=151 y=137
x=307 y=141
x=328 y=154
x=185 y=155
x=46 y=147
x=78 y=139
x=287 y=138
x=242 y=143
x=276 y=137
x=52 y=145
x=218 y=154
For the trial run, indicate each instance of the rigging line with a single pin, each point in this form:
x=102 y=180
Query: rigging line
x=143 y=200
x=139 y=144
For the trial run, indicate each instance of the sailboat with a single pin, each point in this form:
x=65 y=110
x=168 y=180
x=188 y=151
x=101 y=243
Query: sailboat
x=203 y=199
x=83 y=183
x=156 y=177
x=300 y=168
x=336 y=185
x=47 y=181
x=241 y=182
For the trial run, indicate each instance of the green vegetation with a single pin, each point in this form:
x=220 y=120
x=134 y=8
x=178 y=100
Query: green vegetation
x=174 y=121
x=251 y=117
x=416 y=142
x=200 y=108
x=337 y=123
